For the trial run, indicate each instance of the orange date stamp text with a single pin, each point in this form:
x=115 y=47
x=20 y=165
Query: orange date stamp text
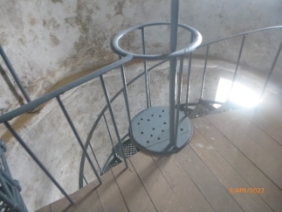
x=246 y=190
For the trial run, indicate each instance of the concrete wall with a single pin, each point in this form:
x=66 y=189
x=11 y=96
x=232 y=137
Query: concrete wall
x=47 y=41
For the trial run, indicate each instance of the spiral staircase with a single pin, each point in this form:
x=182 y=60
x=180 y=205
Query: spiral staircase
x=156 y=130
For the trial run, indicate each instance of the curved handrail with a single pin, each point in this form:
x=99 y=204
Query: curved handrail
x=56 y=93
x=35 y=103
x=138 y=76
x=240 y=34
x=81 y=169
x=197 y=40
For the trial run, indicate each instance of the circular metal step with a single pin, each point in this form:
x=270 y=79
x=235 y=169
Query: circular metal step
x=150 y=131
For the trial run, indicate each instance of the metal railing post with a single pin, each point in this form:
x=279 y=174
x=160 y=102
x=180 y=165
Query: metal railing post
x=33 y=156
x=14 y=74
x=78 y=137
x=204 y=74
x=113 y=118
x=271 y=69
x=125 y=94
x=188 y=83
x=237 y=64
x=172 y=72
x=147 y=75
x=111 y=139
x=94 y=155
x=179 y=95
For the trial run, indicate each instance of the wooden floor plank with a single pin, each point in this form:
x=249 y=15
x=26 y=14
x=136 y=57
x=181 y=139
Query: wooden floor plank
x=228 y=150
x=217 y=195
x=270 y=127
x=156 y=185
x=265 y=161
x=268 y=117
x=183 y=187
x=132 y=189
x=226 y=174
x=251 y=174
x=47 y=208
x=110 y=196
x=262 y=139
x=85 y=199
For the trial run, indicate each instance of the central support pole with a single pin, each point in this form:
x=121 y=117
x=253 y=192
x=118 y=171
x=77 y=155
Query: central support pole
x=172 y=74
x=162 y=130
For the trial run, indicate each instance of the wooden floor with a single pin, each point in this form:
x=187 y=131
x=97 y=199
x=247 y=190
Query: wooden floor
x=231 y=157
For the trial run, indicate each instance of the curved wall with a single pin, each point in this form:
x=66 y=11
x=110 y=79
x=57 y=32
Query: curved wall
x=49 y=40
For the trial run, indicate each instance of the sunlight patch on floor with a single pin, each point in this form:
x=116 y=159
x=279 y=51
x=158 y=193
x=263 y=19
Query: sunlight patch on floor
x=240 y=95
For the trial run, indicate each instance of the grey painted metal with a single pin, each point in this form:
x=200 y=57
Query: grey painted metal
x=85 y=179
x=179 y=91
x=125 y=94
x=129 y=150
x=108 y=129
x=94 y=155
x=205 y=69
x=271 y=69
x=172 y=67
x=113 y=117
x=147 y=76
x=78 y=137
x=124 y=137
x=89 y=137
x=151 y=134
x=35 y=103
x=188 y=82
x=240 y=34
x=5 y=188
x=14 y=74
x=36 y=160
x=181 y=105
x=116 y=48
x=7 y=200
x=6 y=173
x=237 y=63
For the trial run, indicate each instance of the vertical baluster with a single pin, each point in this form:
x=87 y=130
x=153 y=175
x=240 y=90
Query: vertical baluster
x=179 y=95
x=111 y=139
x=78 y=137
x=33 y=156
x=172 y=72
x=95 y=157
x=204 y=74
x=113 y=118
x=147 y=75
x=7 y=200
x=271 y=70
x=14 y=74
x=85 y=179
x=188 y=83
x=125 y=94
x=6 y=189
x=237 y=64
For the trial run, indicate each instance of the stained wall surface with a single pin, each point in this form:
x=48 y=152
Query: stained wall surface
x=48 y=41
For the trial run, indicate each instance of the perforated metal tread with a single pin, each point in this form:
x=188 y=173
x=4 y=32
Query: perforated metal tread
x=150 y=131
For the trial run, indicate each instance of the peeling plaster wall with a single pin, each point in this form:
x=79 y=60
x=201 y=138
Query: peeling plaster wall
x=47 y=41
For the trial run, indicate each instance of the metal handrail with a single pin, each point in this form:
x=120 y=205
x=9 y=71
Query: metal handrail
x=56 y=94
x=99 y=73
x=89 y=137
x=240 y=34
x=81 y=176
x=197 y=39
x=35 y=103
